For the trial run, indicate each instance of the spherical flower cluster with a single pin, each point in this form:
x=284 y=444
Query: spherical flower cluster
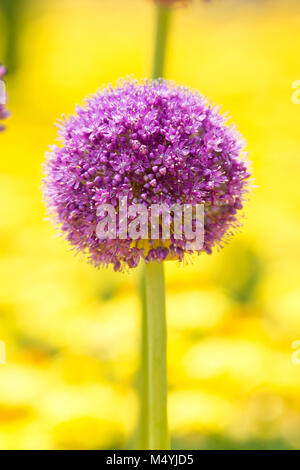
x=154 y=142
x=3 y=112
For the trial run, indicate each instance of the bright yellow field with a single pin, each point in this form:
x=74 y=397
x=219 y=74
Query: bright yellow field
x=71 y=332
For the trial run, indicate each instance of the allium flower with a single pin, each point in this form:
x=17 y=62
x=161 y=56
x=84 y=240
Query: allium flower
x=3 y=112
x=154 y=142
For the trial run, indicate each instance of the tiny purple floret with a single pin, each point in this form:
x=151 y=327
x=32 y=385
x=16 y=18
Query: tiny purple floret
x=3 y=111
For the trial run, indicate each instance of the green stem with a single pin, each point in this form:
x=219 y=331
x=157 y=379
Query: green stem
x=158 y=437
x=12 y=11
x=162 y=29
x=152 y=409
x=144 y=395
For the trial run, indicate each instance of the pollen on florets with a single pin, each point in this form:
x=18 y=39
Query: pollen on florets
x=154 y=142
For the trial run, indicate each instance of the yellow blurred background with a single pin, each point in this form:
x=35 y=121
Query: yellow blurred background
x=71 y=332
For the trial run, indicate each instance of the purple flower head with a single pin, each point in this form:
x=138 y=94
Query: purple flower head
x=3 y=112
x=153 y=142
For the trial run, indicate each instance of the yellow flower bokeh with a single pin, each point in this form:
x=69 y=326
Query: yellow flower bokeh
x=71 y=332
